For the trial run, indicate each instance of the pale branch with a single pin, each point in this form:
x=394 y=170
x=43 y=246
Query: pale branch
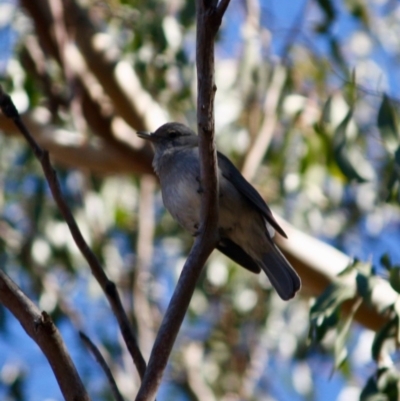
x=69 y=150
x=103 y=364
x=115 y=134
x=108 y=286
x=208 y=22
x=112 y=78
x=318 y=264
x=39 y=326
x=117 y=77
x=146 y=316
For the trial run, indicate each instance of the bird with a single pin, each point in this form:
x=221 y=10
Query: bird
x=246 y=225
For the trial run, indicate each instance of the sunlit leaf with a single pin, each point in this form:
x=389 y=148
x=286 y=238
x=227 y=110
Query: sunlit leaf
x=340 y=350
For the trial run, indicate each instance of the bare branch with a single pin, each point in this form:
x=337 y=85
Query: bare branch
x=222 y=6
x=103 y=364
x=208 y=22
x=108 y=287
x=42 y=330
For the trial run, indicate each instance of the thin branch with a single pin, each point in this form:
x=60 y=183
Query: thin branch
x=42 y=330
x=108 y=286
x=208 y=22
x=221 y=8
x=103 y=364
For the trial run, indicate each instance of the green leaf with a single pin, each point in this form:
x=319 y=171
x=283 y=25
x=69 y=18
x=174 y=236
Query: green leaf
x=326 y=111
x=385 y=261
x=348 y=159
x=387 y=124
x=397 y=311
x=365 y=286
x=340 y=351
x=324 y=313
x=364 y=268
x=370 y=392
x=388 y=383
x=394 y=278
x=386 y=332
x=393 y=183
x=330 y=14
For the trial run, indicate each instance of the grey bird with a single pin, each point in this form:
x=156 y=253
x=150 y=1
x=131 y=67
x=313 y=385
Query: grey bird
x=246 y=225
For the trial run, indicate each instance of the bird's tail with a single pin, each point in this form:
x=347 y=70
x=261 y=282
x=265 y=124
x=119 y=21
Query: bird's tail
x=280 y=273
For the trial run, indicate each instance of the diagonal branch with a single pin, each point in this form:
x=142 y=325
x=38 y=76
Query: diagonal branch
x=222 y=7
x=103 y=364
x=108 y=286
x=208 y=22
x=39 y=326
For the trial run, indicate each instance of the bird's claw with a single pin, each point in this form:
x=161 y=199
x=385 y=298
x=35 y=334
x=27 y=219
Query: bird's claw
x=197 y=230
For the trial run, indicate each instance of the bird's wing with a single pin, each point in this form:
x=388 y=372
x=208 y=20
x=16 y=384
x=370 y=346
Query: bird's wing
x=231 y=173
x=238 y=254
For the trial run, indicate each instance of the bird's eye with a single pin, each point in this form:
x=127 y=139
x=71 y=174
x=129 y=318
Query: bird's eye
x=173 y=135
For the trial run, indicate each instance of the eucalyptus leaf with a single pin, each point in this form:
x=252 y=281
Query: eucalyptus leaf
x=394 y=278
x=340 y=351
x=324 y=312
x=387 y=124
x=349 y=160
x=386 y=332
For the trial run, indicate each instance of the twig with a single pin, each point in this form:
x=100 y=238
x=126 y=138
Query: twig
x=42 y=330
x=208 y=21
x=103 y=364
x=108 y=286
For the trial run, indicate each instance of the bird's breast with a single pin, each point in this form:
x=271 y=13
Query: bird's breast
x=181 y=193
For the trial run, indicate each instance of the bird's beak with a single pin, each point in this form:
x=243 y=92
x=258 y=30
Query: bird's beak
x=145 y=135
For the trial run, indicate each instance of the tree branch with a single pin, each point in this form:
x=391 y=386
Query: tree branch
x=108 y=287
x=42 y=330
x=69 y=149
x=318 y=265
x=208 y=22
x=103 y=364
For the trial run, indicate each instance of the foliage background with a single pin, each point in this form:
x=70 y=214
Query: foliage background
x=299 y=108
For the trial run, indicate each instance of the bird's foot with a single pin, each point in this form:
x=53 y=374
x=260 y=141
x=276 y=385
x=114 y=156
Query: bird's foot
x=197 y=230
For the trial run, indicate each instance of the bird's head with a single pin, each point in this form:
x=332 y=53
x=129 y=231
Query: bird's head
x=170 y=135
